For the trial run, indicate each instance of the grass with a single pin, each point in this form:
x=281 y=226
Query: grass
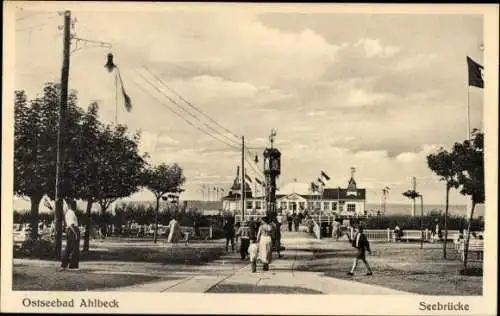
x=401 y=266
x=44 y=278
x=109 y=264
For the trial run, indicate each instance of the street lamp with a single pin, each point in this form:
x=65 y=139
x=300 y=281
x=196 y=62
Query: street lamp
x=272 y=169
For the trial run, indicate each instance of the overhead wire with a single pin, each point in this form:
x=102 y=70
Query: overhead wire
x=191 y=114
x=190 y=103
x=177 y=113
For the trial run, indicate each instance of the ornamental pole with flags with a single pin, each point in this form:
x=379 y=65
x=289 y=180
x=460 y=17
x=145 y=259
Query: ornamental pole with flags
x=476 y=79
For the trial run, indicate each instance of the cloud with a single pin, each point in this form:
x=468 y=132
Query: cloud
x=373 y=48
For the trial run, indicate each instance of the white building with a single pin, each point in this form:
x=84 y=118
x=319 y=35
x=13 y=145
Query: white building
x=347 y=201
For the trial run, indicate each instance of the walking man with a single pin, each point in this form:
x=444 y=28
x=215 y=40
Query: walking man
x=361 y=243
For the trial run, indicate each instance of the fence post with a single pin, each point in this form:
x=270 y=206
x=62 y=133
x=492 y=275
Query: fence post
x=210 y=232
x=426 y=234
x=388 y=234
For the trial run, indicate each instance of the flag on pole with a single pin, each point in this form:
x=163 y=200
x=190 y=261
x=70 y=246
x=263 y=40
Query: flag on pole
x=314 y=187
x=324 y=175
x=475 y=73
x=321 y=181
x=126 y=99
x=248 y=178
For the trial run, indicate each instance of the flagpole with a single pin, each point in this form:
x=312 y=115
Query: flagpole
x=116 y=97
x=468 y=111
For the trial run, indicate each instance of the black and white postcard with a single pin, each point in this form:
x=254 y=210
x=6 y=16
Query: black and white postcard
x=244 y=158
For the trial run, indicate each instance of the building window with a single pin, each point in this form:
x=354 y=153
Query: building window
x=283 y=205
x=318 y=206
x=257 y=205
x=310 y=205
x=351 y=207
x=334 y=206
x=302 y=205
x=249 y=205
x=326 y=205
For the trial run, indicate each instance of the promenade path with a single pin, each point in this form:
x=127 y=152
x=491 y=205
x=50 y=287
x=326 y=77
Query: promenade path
x=229 y=274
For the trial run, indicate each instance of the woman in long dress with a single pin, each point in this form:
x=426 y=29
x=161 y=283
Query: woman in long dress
x=265 y=243
x=174 y=231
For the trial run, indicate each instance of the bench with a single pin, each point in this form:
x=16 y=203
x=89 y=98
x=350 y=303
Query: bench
x=412 y=235
x=475 y=246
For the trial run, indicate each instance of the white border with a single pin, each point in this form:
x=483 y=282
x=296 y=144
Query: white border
x=255 y=303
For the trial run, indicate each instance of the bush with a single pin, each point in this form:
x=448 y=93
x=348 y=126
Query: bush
x=40 y=248
x=413 y=222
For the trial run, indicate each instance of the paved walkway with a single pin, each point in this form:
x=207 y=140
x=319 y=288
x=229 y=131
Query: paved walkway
x=230 y=273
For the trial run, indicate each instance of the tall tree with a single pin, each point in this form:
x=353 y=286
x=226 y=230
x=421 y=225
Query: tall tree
x=35 y=135
x=443 y=164
x=86 y=164
x=161 y=180
x=469 y=157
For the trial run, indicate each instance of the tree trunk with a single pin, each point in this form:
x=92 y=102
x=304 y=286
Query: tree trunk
x=88 y=226
x=35 y=203
x=466 y=246
x=445 y=244
x=156 y=219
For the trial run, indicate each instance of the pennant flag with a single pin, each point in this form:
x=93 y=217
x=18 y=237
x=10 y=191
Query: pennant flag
x=475 y=73
x=258 y=181
x=248 y=178
x=126 y=98
x=324 y=175
x=314 y=187
x=321 y=181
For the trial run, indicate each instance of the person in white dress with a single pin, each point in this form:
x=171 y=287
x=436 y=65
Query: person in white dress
x=265 y=243
x=174 y=231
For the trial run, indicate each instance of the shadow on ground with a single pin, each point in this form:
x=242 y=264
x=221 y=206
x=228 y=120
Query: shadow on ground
x=261 y=289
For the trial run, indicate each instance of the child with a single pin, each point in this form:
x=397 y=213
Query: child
x=253 y=251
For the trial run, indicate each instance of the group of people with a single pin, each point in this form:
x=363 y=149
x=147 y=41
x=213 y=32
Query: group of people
x=294 y=220
x=258 y=239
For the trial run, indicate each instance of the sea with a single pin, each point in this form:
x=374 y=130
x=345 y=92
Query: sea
x=391 y=209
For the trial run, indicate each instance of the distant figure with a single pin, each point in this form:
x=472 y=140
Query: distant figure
x=277 y=237
x=397 y=233
x=253 y=252
x=361 y=243
x=174 y=234
x=243 y=233
x=296 y=221
x=289 y=219
x=229 y=233
x=335 y=230
x=438 y=231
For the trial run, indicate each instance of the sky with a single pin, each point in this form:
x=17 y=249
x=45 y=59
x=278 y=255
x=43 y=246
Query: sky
x=377 y=92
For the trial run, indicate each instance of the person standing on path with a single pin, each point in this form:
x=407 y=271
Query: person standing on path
x=265 y=244
x=289 y=219
x=229 y=233
x=71 y=253
x=174 y=234
x=361 y=243
x=244 y=234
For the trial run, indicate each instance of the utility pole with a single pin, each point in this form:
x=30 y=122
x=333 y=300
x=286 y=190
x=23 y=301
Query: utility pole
x=60 y=131
x=414 y=185
x=242 y=178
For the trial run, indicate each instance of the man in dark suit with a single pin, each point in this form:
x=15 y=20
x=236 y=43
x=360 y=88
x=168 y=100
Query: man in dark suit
x=361 y=243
